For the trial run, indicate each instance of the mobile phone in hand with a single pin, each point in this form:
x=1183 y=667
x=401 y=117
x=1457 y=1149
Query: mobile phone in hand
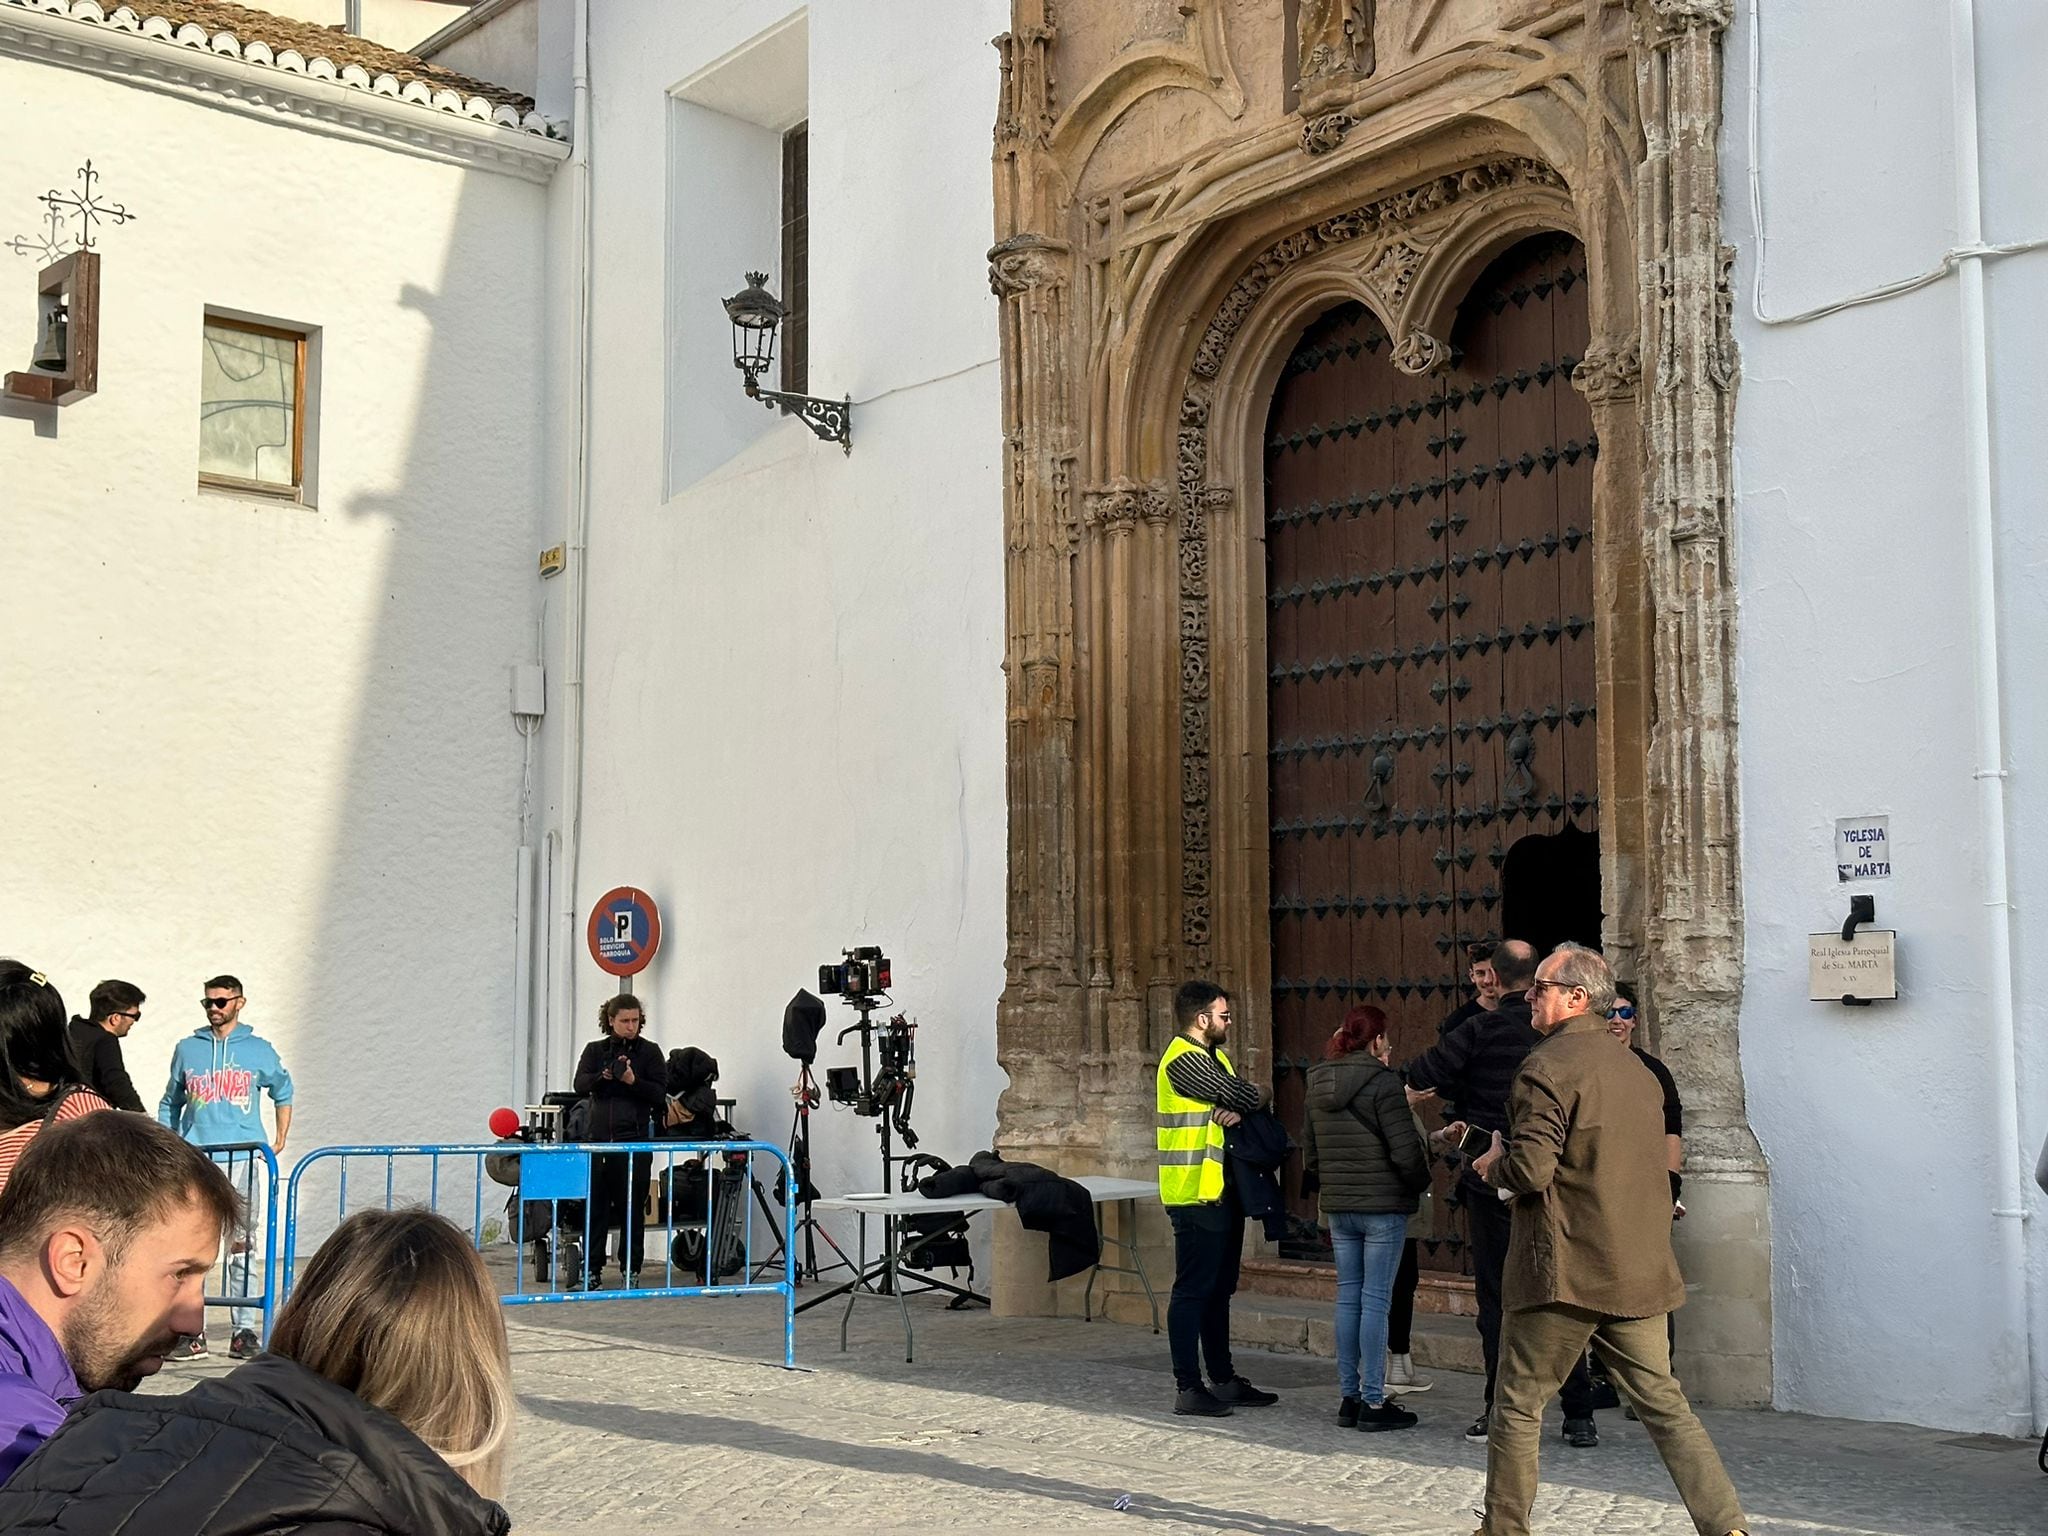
x=1475 y=1142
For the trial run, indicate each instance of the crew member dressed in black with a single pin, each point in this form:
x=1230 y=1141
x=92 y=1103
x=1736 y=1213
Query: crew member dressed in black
x=623 y=1076
x=1199 y=1096
x=1473 y=1067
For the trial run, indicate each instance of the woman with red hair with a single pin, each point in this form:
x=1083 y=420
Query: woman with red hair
x=1361 y=1143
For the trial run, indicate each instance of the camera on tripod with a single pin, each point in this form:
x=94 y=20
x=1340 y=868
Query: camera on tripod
x=863 y=973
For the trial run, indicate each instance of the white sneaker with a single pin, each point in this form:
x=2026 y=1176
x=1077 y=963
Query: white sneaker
x=1401 y=1375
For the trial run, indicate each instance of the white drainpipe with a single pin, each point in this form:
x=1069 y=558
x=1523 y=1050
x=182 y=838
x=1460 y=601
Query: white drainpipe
x=561 y=1024
x=2010 y=1208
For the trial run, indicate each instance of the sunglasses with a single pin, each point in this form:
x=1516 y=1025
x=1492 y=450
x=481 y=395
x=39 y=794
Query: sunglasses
x=211 y=1003
x=1562 y=986
x=1622 y=1013
x=131 y=1014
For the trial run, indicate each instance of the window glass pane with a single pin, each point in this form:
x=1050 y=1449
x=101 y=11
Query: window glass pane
x=247 y=401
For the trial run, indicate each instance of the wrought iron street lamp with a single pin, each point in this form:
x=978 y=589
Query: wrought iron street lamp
x=755 y=315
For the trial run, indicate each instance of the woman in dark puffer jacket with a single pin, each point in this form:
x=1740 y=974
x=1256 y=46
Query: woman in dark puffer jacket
x=1362 y=1144
x=382 y=1409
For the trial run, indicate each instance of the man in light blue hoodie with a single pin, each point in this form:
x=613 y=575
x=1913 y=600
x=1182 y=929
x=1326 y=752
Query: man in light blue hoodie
x=217 y=1074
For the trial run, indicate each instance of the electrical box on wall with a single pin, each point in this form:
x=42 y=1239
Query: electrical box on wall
x=529 y=690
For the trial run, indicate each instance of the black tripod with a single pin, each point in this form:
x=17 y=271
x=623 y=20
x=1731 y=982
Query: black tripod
x=887 y=1097
x=797 y=1184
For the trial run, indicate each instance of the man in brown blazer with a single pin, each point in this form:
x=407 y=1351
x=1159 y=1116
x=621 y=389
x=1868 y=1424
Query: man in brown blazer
x=1589 y=1258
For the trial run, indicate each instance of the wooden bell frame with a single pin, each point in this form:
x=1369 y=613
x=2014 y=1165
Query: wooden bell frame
x=74 y=282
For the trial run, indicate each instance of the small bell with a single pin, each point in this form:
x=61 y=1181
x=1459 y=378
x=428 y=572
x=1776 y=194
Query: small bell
x=53 y=347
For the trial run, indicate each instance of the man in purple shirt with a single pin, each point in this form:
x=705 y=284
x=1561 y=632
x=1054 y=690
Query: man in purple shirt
x=108 y=1227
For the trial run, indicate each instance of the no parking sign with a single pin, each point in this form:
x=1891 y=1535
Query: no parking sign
x=625 y=931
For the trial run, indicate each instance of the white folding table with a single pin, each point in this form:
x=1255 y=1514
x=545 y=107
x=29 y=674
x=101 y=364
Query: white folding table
x=1124 y=1194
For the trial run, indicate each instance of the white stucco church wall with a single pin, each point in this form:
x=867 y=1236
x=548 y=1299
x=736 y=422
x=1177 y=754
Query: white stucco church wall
x=1893 y=1295
x=265 y=738
x=794 y=703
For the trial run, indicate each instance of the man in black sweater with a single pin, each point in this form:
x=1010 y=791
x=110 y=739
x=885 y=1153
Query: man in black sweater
x=1473 y=1067
x=96 y=1042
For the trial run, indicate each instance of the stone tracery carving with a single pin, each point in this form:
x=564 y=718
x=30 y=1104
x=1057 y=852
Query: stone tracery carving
x=1418 y=352
x=1320 y=135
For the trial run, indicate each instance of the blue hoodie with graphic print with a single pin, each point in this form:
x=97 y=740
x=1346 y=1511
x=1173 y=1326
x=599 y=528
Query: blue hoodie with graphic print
x=211 y=1097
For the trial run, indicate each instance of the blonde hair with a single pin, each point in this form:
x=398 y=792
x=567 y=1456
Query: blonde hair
x=397 y=1307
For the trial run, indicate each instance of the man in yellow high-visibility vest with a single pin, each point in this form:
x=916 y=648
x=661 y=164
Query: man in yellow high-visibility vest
x=1199 y=1096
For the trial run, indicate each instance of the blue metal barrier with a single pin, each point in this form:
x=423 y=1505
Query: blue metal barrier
x=548 y=1197
x=242 y=1161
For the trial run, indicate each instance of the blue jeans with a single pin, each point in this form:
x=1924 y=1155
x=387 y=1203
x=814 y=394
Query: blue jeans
x=1368 y=1246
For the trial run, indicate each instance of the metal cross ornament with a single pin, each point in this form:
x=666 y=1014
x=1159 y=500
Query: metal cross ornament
x=85 y=206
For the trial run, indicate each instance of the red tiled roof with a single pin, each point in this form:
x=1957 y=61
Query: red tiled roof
x=278 y=34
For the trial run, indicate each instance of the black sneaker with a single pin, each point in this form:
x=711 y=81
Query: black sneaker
x=1240 y=1393
x=1387 y=1415
x=633 y=1280
x=244 y=1345
x=1476 y=1430
x=1582 y=1433
x=1200 y=1403
x=594 y=1281
x=1347 y=1413
x=191 y=1347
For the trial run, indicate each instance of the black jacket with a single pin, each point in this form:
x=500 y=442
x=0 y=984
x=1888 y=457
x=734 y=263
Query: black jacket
x=1254 y=1150
x=693 y=1079
x=1045 y=1202
x=1359 y=1138
x=267 y=1450
x=1475 y=1065
x=97 y=1054
x=620 y=1111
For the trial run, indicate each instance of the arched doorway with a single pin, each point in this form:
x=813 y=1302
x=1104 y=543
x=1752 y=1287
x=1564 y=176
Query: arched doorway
x=1430 y=684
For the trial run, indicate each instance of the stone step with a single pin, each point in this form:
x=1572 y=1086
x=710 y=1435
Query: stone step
x=1295 y=1326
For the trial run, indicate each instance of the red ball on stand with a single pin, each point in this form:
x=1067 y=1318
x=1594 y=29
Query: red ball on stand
x=504 y=1123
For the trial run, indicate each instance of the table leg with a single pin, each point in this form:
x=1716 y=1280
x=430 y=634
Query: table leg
x=860 y=1275
x=1127 y=1224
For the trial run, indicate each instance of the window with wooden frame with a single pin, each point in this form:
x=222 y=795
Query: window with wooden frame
x=252 y=419
x=796 y=259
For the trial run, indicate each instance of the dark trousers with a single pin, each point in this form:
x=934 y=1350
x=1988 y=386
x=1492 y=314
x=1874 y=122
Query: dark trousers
x=1488 y=1222
x=1401 y=1310
x=618 y=1187
x=1208 y=1241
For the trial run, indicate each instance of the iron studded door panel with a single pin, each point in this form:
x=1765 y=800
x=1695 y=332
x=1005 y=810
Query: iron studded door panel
x=1429 y=611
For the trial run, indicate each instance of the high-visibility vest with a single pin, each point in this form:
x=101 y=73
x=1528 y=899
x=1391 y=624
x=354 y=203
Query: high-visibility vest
x=1190 y=1140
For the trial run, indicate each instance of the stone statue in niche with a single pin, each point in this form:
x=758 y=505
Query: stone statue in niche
x=1336 y=45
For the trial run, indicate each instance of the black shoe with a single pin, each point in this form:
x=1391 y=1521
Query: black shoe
x=1581 y=1433
x=1200 y=1403
x=1476 y=1430
x=1387 y=1415
x=633 y=1280
x=1347 y=1413
x=244 y=1345
x=1240 y=1393
x=594 y=1281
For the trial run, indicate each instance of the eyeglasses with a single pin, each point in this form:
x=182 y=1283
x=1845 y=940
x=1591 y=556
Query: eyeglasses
x=211 y=1003
x=132 y=1013
x=1562 y=986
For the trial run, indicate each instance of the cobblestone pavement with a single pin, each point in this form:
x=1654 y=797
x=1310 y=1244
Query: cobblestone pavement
x=659 y=1417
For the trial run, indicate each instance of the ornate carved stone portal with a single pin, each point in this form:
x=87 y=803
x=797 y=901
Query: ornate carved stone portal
x=1178 y=198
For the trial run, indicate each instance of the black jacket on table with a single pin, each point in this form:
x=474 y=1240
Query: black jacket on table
x=97 y=1054
x=268 y=1450
x=1359 y=1138
x=1475 y=1065
x=622 y=1111
x=693 y=1081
